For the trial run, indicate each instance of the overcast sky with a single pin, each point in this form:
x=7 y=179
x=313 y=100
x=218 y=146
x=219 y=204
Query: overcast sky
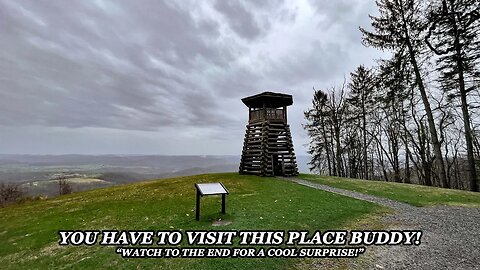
x=164 y=77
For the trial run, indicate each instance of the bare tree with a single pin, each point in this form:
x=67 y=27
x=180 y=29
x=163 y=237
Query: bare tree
x=10 y=194
x=64 y=187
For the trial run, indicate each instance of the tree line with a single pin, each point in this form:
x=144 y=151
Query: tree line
x=412 y=118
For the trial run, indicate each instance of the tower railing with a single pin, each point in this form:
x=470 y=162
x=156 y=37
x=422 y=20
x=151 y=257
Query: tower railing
x=257 y=115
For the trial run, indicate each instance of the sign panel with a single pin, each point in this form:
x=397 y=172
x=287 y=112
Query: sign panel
x=211 y=189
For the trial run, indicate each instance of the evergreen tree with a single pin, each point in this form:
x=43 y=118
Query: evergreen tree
x=393 y=92
x=318 y=129
x=360 y=102
x=325 y=128
x=399 y=28
x=453 y=36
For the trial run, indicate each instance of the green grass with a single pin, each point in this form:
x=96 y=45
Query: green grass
x=28 y=232
x=412 y=194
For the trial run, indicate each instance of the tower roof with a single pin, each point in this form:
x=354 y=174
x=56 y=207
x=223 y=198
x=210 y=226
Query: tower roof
x=270 y=99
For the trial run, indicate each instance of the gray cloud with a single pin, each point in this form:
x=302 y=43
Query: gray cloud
x=161 y=67
x=239 y=19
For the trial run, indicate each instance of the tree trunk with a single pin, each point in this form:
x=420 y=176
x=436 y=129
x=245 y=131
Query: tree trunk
x=437 y=149
x=365 y=157
x=327 y=147
x=407 y=165
x=334 y=154
x=466 y=115
x=339 y=152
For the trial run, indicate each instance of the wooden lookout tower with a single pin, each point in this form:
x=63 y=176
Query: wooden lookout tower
x=268 y=147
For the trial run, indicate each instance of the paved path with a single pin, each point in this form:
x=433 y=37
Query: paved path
x=450 y=239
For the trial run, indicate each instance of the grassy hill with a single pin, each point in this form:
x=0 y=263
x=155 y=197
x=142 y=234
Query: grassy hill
x=28 y=232
x=416 y=195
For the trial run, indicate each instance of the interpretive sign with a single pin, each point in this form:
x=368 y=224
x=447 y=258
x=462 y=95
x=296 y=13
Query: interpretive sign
x=210 y=189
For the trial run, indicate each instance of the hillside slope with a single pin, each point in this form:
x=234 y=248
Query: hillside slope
x=28 y=232
x=416 y=195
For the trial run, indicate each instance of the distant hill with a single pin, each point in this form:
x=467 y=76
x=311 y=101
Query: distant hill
x=36 y=172
x=166 y=163
x=155 y=162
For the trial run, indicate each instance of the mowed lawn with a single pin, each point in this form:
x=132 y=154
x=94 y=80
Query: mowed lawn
x=28 y=232
x=416 y=195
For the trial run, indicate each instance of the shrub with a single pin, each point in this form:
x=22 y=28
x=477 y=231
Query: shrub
x=64 y=187
x=10 y=194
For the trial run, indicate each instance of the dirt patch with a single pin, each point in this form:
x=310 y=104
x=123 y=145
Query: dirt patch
x=219 y=223
x=51 y=249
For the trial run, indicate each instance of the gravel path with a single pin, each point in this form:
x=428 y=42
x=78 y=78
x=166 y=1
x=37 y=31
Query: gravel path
x=450 y=239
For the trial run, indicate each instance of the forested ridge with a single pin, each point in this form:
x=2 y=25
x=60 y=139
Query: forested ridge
x=414 y=117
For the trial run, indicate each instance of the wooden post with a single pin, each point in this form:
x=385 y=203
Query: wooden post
x=264 y=116
x=273 y=166
x=197 y=212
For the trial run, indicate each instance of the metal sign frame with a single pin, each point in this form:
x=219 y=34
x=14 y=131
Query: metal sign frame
x=201 y=192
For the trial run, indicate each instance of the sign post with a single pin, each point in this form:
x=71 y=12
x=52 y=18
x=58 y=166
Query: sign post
x=210 y=189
